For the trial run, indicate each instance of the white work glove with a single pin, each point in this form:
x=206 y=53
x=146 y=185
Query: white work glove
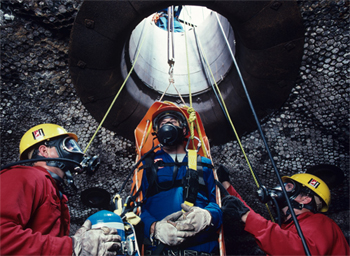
x=193 y=221
x=102 y=241
x=166 y=232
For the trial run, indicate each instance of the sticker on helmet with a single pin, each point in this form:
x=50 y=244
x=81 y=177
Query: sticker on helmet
x=314 y=183
x=38 y=134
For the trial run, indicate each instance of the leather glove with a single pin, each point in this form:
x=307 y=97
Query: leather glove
x=233 y=208
x=174 y=216
x=166 y=232
x=193 y=221
x=102 y=241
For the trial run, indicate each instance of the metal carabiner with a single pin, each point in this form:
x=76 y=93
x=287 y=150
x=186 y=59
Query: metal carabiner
x=198 y=146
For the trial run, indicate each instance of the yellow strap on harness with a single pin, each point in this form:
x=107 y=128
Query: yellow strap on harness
x=192 y=159
x=192 y=164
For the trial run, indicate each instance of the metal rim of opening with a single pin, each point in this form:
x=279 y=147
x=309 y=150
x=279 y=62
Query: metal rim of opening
x=269 y=45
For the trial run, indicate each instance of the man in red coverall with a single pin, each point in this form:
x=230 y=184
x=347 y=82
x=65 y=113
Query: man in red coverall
x=34 y=217
x=308 y=195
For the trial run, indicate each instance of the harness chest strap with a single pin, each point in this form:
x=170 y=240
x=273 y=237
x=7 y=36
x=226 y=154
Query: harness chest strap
x=151 y=172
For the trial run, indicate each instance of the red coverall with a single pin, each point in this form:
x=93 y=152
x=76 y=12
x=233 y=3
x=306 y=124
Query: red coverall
x=33 y=219
x=322 y=235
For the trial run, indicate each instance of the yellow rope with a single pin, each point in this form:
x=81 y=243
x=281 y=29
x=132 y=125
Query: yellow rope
x=228 y=115
x=115 y=98
x=233 y=127
x=191 y=119
x=190 y=110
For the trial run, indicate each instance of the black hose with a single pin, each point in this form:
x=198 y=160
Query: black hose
x=277 y=211
x=268 y=150
x=307 y=252
x=38 y=160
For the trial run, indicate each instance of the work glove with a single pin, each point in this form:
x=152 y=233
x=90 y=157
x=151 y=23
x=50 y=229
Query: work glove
x=193 y=220
x=102 y=241
x=166 y=232
x=223 y=174
x=233 y=209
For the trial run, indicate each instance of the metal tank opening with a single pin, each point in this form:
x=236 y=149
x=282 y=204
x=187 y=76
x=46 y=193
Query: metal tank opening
x=107 y=35
x=200 y=52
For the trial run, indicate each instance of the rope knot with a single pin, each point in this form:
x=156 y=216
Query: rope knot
x=192 y=114
x=191 y=119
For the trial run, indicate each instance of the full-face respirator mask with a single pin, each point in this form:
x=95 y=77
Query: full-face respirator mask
x=68 y=148
x=168 y=133
x=293 y=189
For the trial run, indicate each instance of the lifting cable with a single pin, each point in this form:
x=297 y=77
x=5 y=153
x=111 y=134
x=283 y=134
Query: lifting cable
x=192 y=113
x=207 y=72
x=192 y=155
x=171 y=62
x=265 y=143
x=227 y=115
x=171 y=53
x=116 y=96
x=171 y=46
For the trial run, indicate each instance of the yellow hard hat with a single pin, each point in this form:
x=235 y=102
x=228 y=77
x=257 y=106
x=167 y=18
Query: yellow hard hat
x=315 y=184
x=38 y=134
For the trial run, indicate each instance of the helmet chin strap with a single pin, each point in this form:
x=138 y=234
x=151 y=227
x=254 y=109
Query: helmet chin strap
x=295 y=205
x=299 y=206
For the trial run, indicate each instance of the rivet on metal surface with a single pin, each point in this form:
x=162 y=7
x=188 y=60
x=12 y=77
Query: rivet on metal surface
x=89 y=23
x=81 y=64
x=91 y=98
x=276 y=5
x=289 y=46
